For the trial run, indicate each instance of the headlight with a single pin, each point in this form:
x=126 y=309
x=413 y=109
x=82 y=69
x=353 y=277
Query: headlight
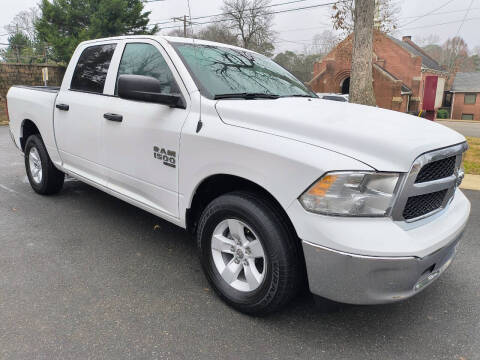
x=351 y=194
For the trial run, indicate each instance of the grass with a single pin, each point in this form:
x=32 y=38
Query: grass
x=472 y=158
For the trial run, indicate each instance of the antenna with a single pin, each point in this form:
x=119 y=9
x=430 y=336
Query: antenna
x=200 y=123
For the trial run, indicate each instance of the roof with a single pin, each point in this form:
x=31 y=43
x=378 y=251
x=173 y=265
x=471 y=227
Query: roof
x=427 y=61
x=466 y=82
x=405 y=89
x=170 y=39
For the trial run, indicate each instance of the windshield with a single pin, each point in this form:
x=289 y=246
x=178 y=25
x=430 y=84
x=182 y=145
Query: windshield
x=222 y=72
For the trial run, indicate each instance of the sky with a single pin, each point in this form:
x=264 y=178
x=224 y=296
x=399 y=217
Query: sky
x=295 y=29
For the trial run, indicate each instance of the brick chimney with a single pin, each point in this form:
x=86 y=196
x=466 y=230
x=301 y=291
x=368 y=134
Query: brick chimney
x=407 y=38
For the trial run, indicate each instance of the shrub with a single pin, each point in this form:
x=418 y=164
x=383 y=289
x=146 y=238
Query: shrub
x=443 y=114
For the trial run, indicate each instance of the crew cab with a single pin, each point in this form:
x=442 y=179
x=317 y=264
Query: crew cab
x=279 y=187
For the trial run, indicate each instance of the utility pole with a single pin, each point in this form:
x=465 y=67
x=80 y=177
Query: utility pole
x=17 y=50
x=185 y=23
x=361 y=79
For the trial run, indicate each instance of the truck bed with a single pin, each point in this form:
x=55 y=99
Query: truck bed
x=52 y=89
x=35 y=104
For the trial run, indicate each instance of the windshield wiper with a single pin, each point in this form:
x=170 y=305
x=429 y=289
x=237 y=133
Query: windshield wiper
x=247 y=96
x=300 y=95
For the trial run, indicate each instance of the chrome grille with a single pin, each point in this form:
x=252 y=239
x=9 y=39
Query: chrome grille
x=430 y=184
x=437 y=170
x=423 y=204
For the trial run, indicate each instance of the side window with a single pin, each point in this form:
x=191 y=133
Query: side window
x=92 y=67
x=146 y=60
x=467 y=116
x=470 y=99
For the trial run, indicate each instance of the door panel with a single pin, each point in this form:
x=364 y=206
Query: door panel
x=429 y=93
x=134 y=148
x=78 y=133
x=78 y=114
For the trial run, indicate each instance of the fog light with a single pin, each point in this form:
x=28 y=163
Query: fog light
x=427 y=280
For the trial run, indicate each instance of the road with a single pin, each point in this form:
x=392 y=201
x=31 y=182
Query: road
x=464 y=128
x=84 y=275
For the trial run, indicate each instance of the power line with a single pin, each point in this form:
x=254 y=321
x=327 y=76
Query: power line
x=439 y=24
x=457 y=46
x=428 y=13
x=270 y=13
x=439 y=13
x=168 y=21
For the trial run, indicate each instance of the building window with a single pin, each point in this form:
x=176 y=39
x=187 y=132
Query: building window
x=470 y=99
x=467 y=116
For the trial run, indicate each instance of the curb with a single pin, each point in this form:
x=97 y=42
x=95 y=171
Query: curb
x=471 y=182
x=458 y=121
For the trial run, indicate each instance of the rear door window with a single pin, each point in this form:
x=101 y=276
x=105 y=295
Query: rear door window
x=92 y=68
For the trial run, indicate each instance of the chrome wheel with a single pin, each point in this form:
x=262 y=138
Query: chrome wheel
x=238 y=255
x=35 y=165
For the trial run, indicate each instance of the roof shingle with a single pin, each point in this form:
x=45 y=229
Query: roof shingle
x=427 y=61
x=466 y=82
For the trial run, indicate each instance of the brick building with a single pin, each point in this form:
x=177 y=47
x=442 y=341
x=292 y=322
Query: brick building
x=465 y=100
x=405 y=78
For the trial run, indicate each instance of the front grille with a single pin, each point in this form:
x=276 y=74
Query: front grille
x=437 y=170
x=423 y=204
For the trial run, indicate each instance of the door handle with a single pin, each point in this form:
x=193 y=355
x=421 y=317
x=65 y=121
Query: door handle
x=63 y=107
x=113 y=117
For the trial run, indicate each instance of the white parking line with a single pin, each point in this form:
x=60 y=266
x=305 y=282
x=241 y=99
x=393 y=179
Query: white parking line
x=8 y=189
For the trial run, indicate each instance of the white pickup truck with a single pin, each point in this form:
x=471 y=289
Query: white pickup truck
x=278 y=186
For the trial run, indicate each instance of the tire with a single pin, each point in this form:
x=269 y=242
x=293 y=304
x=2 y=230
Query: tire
x=43 y=176
x=277 y=276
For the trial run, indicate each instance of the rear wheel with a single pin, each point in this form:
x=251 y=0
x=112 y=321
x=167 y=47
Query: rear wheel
x=43 y=176
x=249 y=255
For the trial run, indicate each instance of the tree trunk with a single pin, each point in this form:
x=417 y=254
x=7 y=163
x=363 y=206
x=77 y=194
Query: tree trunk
x=361 y=80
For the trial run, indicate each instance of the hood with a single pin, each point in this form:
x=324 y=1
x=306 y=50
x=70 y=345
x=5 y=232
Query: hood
x=386 y=140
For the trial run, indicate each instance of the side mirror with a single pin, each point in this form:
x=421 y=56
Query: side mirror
x=146 y=88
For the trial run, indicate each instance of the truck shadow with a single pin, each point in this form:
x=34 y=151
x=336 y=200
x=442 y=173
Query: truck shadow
x=168 y=246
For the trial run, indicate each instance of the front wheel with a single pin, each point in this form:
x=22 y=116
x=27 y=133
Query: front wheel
x=249 y=254
x=43 y=176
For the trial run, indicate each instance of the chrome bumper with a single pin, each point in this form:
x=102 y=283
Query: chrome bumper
x=357 y=279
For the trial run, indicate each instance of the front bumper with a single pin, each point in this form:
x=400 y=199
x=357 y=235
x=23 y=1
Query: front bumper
x=373 y=261
x=356 y=279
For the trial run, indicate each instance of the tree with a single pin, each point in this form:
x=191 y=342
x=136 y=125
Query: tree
x=19 y=49
x=455 y=56
x=180 y=33
x=251 y=23
x=361 y=79
x=24 y=45
x=66 y=23
x=216 y=32
x=324 y=43
x=385 y=16
x=300 y=65
x=434 y=51
x=24 y=22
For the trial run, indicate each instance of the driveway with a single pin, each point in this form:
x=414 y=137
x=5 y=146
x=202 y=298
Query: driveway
x=463 y=127
x=84 y=275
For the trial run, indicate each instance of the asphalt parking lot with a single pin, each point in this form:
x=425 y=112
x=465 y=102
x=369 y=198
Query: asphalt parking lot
x=84 y=275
